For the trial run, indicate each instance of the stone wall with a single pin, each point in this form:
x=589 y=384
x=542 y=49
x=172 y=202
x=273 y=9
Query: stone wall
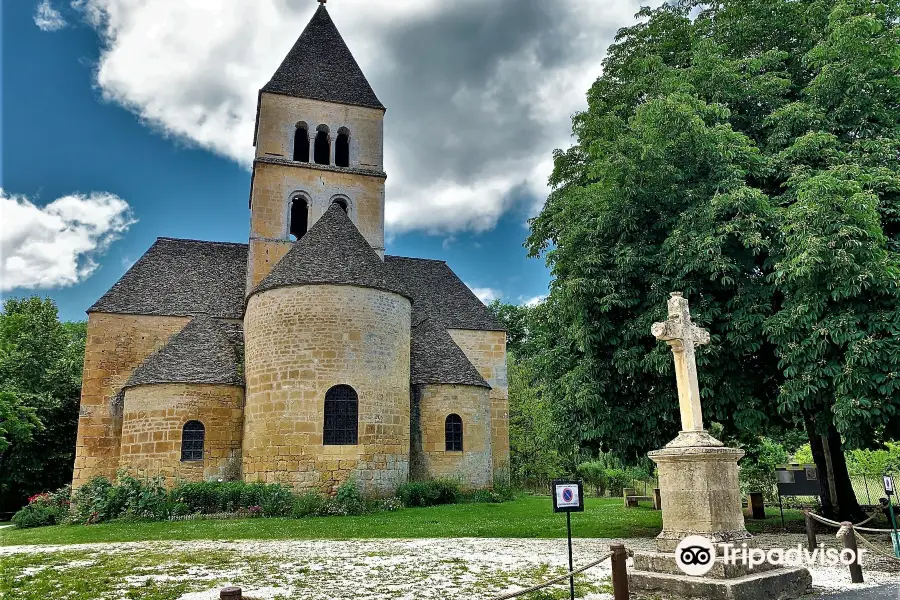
x=487 y=351
x=473 y=467
x=152 y=423
x=274 y=186
x=279 y=115
x=115 y=346
x=300 y=342
x=277 y=178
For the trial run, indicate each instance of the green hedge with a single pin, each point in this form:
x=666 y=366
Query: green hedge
x=128 y=498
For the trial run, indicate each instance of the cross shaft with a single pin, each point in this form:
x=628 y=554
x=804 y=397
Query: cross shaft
x=683 y=336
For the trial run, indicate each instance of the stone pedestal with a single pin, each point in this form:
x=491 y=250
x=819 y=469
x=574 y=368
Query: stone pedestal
x=698 y=479
x=656 y=574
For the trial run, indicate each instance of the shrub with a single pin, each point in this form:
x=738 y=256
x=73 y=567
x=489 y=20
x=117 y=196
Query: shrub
x=133 y=498
x=349 y=499
x=428 y=493
x=211 y=497
x=757 y=470
x=49 y=508
x=616 y=481
x=594 y=474
x=412 y=493
x=390 y=504
x=310 y=504
x=276 y=501
x=484 y=496
x=38 y=515
x=90 y=502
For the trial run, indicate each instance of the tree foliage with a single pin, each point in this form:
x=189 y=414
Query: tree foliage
x=41 y=361
x=746 y=153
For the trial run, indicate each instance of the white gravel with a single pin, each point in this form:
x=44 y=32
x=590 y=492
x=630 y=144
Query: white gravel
x=443 y=569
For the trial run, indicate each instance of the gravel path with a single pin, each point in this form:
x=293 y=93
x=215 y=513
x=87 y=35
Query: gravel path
x=407 y=569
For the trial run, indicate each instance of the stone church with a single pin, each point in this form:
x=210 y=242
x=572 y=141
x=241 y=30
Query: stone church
x=307 y=356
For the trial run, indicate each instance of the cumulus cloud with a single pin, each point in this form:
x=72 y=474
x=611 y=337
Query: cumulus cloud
x=485 y=294
x=57 y=245
x=48 y=18
x=533 y=301
x=478 y=93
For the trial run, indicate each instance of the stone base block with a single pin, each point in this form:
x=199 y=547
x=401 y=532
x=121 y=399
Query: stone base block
x=778 y=584
x=664 y=562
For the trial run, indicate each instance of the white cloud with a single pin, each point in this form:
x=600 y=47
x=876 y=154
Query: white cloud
x=48 y=18
x=533 y=301
x=56 y=245
x=478 y=94
x=485 y=294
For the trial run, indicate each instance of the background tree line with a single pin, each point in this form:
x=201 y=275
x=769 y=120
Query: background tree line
x=41 y=361
x=747 y=153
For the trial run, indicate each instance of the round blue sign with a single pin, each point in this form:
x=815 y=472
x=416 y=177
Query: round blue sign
x=567 y=495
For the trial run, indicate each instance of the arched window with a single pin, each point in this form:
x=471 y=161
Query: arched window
x=453 y=433
x=301 y=142
x=299 y=217
x=342 y=148
x=192 y=436
x=322 y=149
x=341 y=416
x=342 y=202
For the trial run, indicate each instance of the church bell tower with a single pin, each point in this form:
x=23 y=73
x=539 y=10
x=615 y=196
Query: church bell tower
x=319 y=141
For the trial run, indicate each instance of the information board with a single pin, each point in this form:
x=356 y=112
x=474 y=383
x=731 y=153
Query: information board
x=889 y=485
x=568 y=495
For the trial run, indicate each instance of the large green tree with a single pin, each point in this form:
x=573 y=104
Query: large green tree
x=41 y=361
x=746 y=153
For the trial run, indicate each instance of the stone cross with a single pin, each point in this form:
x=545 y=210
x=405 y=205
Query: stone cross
x=682 y=335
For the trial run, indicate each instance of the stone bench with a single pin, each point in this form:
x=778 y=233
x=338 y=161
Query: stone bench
x=631 y=497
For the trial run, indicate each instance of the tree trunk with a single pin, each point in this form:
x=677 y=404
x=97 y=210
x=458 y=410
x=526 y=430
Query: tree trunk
x=838 y=498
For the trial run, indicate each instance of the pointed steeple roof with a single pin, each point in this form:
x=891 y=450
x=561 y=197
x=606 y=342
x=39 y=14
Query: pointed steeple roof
x=320 y=66
x=205 y=351
x=333 y=252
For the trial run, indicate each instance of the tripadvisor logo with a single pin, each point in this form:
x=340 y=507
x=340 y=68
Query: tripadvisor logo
x=695 y=555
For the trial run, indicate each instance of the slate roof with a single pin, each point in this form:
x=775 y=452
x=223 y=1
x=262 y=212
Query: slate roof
x=320 y=66
x=333 y=251
x=440 y=295
x=205 y=351
x=435 y=358
x=182 y=278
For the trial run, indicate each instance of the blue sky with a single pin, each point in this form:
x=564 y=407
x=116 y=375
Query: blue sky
x=98 y=111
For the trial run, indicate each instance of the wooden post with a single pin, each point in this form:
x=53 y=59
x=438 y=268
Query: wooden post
x=657 y=499
x=811 y=541
x=757 y=505
x=619 y=572
x=856 y=574
x=230 y=593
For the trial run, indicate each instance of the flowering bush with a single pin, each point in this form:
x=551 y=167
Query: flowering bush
x=48 y=508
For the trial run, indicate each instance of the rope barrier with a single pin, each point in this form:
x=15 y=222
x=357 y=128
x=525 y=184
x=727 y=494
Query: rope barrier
x=871 y=530
x=875 y=548
x=821 y=519
x=554 y=580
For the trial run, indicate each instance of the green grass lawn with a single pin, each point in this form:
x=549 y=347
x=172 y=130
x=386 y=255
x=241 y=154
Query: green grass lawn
x=526 y=517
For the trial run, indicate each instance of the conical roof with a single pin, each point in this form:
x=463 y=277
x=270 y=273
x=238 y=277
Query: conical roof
x=435 y=358
x=333 y=252
x=320 y=66
x=205 y=351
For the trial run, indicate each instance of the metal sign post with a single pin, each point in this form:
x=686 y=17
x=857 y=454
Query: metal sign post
x=890 y=490
x=568 y=497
